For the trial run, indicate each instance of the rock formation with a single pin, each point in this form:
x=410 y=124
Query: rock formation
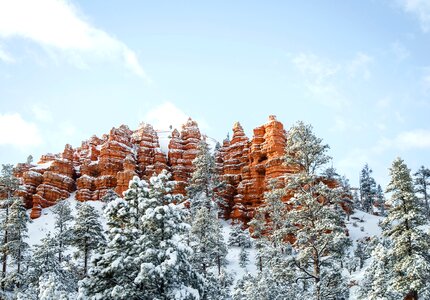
x=249 y=166
x=109 y=162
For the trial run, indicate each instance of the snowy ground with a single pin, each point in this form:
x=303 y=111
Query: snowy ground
x=360 y=225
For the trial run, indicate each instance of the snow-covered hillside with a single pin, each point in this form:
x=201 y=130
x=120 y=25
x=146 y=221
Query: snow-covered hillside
x=361 y=225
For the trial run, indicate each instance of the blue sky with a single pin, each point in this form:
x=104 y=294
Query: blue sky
x=358 y=71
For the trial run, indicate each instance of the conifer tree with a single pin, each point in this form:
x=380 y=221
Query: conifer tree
x=87 y=233
x=109 y=196
x=239 y=237
x=63 y=231
x=165 y=268
x=402 y=227
x=318 y=225
x=17 y=246
x=367 y=189
x=117 y=265
x=43 y=264
x=380 y=199
x=204 y=182
x=422 y=183
x=361 y=253
x=8 y=185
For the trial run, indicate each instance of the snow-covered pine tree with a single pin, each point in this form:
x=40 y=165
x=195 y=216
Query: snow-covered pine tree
x=8 y=185
x=380 y=200
x=17 y=246
x=117 y=265
x=166 y=271
x=356 y=200
x=318 y=222
x=109 y=196
x=207 y=241
x=360 y=253
x=44 y=261
x=238 y=236
x=377 y=277
x=243 y=257
x=422 y=183
x=63 y=231
x=87 y=233
x=51 y=287
x=409 y=243
x=367 y=189
x=204 y=181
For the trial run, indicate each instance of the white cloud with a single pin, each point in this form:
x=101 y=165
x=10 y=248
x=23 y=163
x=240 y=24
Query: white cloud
x=413 y=139
x=324 y=79
x=5 y=57
x=419 y=8
x=359 y=65
x=18 y=132
x=41 y=113
x=166 y=115
x=57 y=24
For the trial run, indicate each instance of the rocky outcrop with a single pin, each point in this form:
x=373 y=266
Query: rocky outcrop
x=107 y=163
x=182 y=151
x=250 y=166
x=247 y=166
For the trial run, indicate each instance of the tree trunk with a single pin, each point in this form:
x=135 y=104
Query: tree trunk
x=317 y=273
x=412 y=295
x=85 y=259
x=5 y=240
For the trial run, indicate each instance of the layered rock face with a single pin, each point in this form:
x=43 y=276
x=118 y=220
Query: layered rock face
x=247 y=166
x=107 y=162
x=250 y=166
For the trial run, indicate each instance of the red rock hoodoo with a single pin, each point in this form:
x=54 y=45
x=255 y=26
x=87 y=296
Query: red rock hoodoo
x=99 y=164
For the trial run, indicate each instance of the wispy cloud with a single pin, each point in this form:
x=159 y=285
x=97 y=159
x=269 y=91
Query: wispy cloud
x=421 y=10
x=18 y=132
x=5 y=57
x=168 y=114
x=406 y=140
x=165 y=115
x=58 y=25
x=359 y=66
x=323 y=77
x=41 y=113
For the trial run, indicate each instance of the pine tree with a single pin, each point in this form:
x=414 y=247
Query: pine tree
x=8 y=185
x=63 y=231
x=109 y=196
x=117 y=265
x=51 y=287
x=165 y=270
x=239 y=237
x=377 y=277
x=44 y=263
x=380 y=200
x=207 y=241
x=360 y=253
x=87 y=233
x=409 y=243
x=17 y=246
x=367 y=189
x=204 y=182
x=243 y=257
x=316 y=216
x=422 y=183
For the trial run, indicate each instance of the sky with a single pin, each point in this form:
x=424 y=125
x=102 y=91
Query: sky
x=358 y=71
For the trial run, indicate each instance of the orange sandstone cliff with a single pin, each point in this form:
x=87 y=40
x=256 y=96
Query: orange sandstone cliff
x=109 y=162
